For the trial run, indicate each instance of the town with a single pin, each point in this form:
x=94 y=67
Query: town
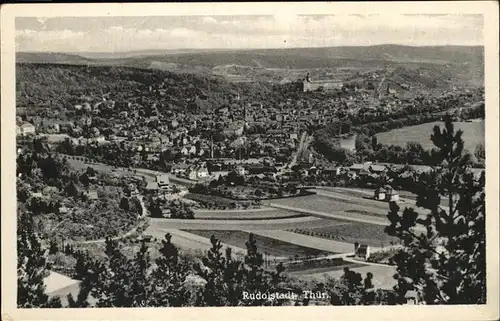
x=112 y=158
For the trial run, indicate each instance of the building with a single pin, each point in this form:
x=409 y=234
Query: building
x=26 y=129
x=198 y=172
x=380 y=194
x=240 y=170
x=308 y=85
x=411 y=297
x=163 y=181
x=92 y=194
x=152 y=187
x=361 y=251
x=391 y=195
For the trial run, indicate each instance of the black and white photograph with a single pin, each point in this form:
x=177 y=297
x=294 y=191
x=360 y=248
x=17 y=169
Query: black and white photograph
x=269 y=159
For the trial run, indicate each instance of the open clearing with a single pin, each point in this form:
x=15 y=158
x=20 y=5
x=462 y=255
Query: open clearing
x=474 y=134
x=315 y=269
x=274 y=224
x=383 y=276
x=362 y=233
x=339 y=204
x=267 y=214
x=265 y=245
x=304 y=240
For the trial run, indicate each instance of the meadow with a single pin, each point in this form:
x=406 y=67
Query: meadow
x=474 y=134
x=362 y=233
x=264 y=244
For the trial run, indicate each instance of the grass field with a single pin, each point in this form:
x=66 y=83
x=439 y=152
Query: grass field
x=264 y=244
x=372 y=235
x=246 y=215
x=320 y=266
x=217 y=224
x=337 y=204
x=474 y=134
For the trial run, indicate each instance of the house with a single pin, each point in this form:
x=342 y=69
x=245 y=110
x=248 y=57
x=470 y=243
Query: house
x=380 y=194
x=152 y=186
x=240 y=170
x=163 y=181
x=361 y=251
x=198 y=172
x=333 y=170
x=378 y=169
x=153 y=157
x=92 y=194
x=411 y=297
x=391 y=195
x=131 y=190
x=356 y=168
x=85 y=121
x=179 y=169
x=26 y=129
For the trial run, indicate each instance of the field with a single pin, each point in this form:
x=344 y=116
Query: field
x=265 y=214
x=264 y=244
x=320 y=266
x=337 y=204
x=474 y=134
x=260 y=225
x=369 y=234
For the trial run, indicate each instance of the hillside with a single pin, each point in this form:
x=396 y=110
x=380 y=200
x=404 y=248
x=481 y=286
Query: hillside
x=459 y=64
x=296 y=58
x=51 y=85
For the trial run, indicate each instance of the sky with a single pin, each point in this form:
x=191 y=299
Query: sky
x=122 y=34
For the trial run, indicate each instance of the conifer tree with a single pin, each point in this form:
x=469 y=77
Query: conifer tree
x=221 y=273
x=444 y=258
x=170 y=277
x=32 y=267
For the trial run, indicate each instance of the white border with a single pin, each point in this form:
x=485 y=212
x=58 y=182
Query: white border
x=8 y=169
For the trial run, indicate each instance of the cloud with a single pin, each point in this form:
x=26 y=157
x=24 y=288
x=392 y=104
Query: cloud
x=47 y=40
x=280 y=30
x=209 y=20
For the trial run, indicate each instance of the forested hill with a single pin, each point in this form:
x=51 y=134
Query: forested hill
x=57 y=85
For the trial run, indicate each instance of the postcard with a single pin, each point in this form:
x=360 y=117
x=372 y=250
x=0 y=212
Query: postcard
x=277 y=161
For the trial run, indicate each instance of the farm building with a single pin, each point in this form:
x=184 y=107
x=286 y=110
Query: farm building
x=362 y=251
x=391 y=195
x=380 y=194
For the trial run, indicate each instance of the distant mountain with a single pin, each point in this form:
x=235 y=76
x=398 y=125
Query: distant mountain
x=289 y=57
x=51 y=57
x=268 y=64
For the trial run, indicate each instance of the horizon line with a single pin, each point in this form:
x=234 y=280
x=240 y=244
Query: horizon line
x=248 y=49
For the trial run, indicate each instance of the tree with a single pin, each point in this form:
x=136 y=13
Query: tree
x=480 y=154
x=223 y=276
x=124 y=204
x=32 y=267
x=181 y=210
x=121 y=282
x=170 y=277
x=444 y=259
x=414 y=153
